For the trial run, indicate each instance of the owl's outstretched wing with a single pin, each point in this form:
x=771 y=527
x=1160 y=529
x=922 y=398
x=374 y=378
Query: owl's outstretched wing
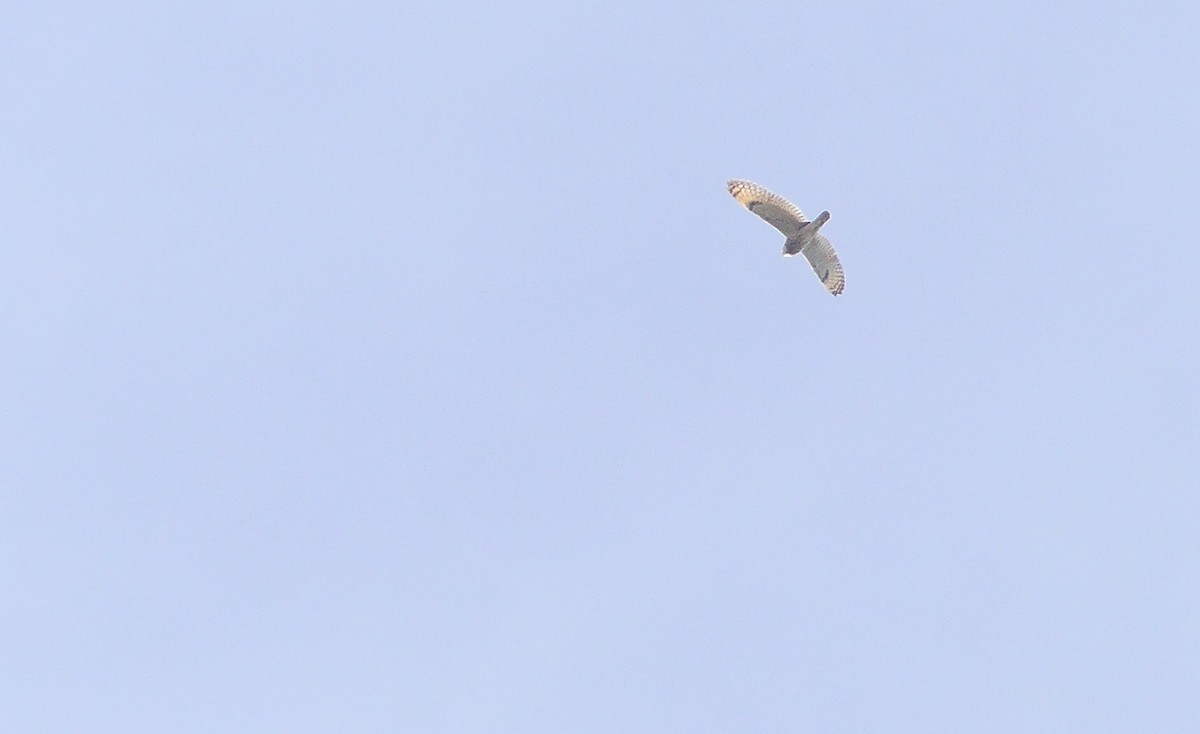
x=824 y=261
x=780 y=213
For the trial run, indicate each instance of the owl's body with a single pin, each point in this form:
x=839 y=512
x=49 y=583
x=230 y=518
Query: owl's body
x=802 y=236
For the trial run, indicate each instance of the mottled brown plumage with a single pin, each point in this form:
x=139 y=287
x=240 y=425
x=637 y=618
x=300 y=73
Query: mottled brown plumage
x=803 y=237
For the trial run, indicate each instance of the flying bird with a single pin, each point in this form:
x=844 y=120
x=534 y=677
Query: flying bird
x=803 y=237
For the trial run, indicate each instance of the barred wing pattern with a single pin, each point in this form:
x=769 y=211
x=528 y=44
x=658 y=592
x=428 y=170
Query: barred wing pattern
x=802 y=236
x=825 y=264
x=780 y=213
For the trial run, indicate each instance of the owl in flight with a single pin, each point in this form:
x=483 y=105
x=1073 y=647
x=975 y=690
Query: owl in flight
x=802 y=235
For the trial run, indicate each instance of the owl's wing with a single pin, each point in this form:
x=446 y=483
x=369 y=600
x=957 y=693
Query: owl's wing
x=780 y=213
x=825 y=263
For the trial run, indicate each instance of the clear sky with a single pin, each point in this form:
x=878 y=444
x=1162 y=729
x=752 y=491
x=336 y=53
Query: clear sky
x=406 y=367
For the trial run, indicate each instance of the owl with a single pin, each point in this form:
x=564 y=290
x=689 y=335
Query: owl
x=803 y=237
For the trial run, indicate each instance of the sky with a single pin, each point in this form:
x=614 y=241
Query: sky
x=396 y=367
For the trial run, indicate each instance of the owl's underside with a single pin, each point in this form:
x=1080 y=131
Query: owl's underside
x=803 y=237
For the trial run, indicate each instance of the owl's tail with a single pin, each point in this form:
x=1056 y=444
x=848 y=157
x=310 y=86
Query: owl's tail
x=820 y=220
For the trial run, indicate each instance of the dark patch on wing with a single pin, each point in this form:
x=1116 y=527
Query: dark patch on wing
x=772 y=214
x=825 y=277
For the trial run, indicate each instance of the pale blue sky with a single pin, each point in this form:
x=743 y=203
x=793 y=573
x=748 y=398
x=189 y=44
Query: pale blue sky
x=408 y=368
